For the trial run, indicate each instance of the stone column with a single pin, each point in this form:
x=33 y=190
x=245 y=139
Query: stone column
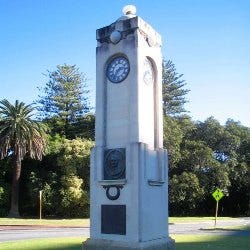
x=129 y=176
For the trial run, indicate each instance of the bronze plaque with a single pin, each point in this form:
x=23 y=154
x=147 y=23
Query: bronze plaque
x=113 y=219
x=115 y=164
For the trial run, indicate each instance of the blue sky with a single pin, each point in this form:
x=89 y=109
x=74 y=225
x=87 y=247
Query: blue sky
x=208 y=41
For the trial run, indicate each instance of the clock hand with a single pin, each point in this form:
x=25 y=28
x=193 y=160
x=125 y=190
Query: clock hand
x=119 y=71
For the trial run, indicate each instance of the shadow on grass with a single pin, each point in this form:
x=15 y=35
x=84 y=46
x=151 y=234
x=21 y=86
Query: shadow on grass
x=72 y=243
x=65 y=247
x=220 y=229
x=228 y=231
x=213 y=242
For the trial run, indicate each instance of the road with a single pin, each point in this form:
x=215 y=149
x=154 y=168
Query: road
x=13 y=233
x=9 y=234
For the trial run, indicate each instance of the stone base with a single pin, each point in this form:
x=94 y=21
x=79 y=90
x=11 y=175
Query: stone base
x=161 y=244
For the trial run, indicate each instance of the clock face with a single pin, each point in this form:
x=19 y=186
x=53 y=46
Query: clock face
x=148 y=72
x=118 y=69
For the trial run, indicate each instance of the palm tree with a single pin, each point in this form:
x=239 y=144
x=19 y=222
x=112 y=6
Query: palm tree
x=19 y=136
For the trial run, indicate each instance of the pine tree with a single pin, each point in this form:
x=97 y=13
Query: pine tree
x=65 y=98
x=172 y=90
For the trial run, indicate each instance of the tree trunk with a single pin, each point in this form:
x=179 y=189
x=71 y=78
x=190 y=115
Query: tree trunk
x=14 y=209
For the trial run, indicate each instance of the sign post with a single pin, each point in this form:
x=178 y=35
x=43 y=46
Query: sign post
x=217 y=194
x=40 y=204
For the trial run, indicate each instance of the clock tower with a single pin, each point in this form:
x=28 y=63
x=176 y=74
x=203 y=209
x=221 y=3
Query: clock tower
x=129 y=177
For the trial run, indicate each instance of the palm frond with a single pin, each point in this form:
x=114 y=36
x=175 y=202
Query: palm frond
x=18 y=132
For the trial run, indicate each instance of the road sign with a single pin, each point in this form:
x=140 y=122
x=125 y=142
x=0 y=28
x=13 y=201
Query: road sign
x=217 y=194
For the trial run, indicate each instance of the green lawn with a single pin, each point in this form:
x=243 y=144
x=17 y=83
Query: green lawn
x=72 y=243
x=196 y=219
x=183 y=242
x=202 y=242
x=45 y=222
x=231 y=228
x=243 y=227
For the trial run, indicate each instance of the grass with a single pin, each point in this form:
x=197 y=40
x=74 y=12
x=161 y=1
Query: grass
x=196 y=219
x=72 y=243
x=45 y=222
x=202 y=242
x=231 y=228
x=183 y=242
x=85 y=222
x=243 y=227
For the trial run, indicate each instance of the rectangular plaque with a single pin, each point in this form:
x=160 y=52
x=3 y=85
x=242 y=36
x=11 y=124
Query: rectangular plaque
x=113 y=219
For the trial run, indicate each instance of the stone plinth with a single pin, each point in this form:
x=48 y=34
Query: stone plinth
x=161 y=244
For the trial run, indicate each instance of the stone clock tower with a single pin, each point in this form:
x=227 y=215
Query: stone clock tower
x=129 y=178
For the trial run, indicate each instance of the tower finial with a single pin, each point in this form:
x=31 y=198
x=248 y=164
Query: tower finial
x=129 y=10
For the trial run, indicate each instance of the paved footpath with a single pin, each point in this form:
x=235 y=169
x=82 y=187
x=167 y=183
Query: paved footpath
x=13 y=233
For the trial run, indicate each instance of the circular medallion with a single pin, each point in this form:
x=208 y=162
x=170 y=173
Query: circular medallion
x=115 y=36
x=118 y=69
x=114 y=166
x=148 y=73
x=114 y=196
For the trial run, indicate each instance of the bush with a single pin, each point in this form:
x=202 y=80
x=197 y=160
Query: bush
x=4 y=199
x=73 y=198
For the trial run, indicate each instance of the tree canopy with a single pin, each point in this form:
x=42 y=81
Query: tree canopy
x=203 y=155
